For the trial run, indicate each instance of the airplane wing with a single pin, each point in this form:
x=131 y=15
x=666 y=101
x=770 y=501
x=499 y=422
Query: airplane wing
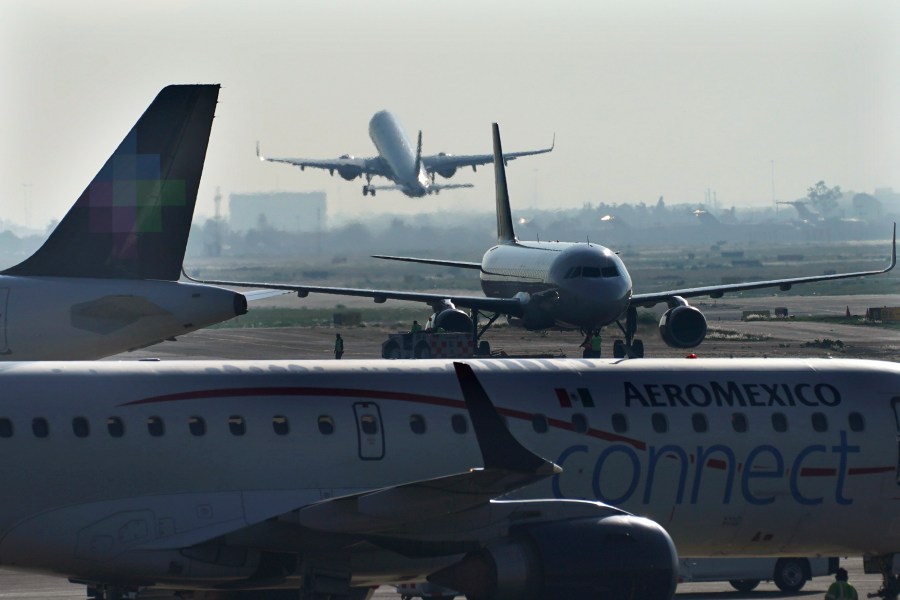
x=345 y=164
x=432 y=261
x=717 y=291
x=507 y=306
x=436 y=162
x=507 y=466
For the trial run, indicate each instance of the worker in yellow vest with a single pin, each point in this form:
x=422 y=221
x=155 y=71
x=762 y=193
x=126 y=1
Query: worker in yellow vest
x=841 y=589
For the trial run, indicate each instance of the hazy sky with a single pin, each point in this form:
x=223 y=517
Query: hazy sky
x=646 y=98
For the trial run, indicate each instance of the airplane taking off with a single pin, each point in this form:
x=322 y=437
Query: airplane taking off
x=540 y=285
x=397 y=160
x=321 y=479
x=106 y=280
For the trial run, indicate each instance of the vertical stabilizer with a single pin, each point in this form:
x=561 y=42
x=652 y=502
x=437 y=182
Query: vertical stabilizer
x=133 y=220
x=505 y=232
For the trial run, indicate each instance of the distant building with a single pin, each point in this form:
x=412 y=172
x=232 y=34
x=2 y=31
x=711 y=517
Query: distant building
x=292 y=212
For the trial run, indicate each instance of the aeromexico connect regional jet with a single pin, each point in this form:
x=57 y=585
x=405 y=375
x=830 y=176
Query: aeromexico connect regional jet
x=504 y=479
x=397 y=160
x=540 y=285
x=106 y=280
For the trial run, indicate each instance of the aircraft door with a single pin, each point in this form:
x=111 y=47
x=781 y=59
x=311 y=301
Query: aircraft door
x=369 y=430
x=896 y=405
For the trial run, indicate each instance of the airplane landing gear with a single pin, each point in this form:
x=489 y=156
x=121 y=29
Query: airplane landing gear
x=368 y=189
x=631 y=347
x=890 y=586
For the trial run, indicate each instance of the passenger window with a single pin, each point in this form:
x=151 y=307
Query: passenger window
x=115 y=427
x=417 y=424
x=155 y=426
x=197 y=425
x=739 y=422
x=326 y=425
x=237 y=425
x=579 y=423
x=698 y=420
x=660 y=423
x=6 y=428
x=619 y=423
x=460 y=424
x=40 y=427
x=779 y=422
x=819 y=422
x=280 y=425
x=368 y=424
x=539 y=423
x=80 y=427
x=854 y=419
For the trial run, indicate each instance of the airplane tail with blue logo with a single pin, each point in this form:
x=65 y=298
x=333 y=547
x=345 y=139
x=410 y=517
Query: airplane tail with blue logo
x=133 y=220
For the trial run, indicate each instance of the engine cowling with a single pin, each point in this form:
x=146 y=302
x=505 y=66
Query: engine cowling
x=451 y=319
x=446 y=171
x=620 y=557
x=682 y=327
x=349 y=172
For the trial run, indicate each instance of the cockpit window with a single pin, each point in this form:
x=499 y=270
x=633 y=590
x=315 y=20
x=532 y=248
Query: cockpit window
x=592 y=272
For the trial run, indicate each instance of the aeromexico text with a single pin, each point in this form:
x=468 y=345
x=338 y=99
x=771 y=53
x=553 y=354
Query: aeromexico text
x=731 y=393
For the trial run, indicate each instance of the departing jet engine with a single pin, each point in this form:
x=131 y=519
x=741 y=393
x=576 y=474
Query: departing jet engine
x=621 y=557
x=682 y=326
x=446 y=171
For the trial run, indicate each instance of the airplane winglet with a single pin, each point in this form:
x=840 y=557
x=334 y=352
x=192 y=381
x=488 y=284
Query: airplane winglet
x=499 y=448
x=258 y=155
x=893 y=250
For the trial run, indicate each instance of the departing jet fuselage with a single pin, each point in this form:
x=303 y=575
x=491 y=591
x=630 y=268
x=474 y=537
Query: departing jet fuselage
x=396 y=150
x=570 y=285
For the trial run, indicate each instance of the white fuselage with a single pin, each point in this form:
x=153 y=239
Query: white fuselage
x=110 y=466
x=395 y=149
x=71 y=318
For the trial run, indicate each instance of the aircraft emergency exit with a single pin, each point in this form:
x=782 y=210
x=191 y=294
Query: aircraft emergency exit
x=539 y=285
x=397 y=160
x=513 y=479
x=106 y=279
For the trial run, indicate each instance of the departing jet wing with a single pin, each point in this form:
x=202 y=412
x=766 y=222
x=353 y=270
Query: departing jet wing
x=507 y=306
x=435 y=162
x=432 y=261
x=359 y=166
x=717 y=291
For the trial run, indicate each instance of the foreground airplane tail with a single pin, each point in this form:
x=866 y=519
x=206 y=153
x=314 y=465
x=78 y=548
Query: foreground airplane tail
x=133 y=219
x=505 y=232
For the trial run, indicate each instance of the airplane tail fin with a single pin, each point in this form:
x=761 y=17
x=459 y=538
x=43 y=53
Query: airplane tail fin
x=133 y=219
x=505 y=232
x=418 y=154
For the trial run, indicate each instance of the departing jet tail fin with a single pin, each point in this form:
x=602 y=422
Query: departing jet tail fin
x=133 y=219
x=505 y=232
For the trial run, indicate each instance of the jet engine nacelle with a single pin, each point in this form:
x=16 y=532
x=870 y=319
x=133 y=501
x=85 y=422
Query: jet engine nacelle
x=349 y=172
x=682 y=327
x=621 y=557
x=451 y=320
x=446 y=171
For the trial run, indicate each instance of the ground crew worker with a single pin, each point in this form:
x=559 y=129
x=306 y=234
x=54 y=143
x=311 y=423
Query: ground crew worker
x=338 y=346
x=840 y=589
x=596 y=342
x=415 y=327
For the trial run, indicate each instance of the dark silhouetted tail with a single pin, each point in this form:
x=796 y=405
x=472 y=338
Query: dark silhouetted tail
x=133 y=220
x=505 y=232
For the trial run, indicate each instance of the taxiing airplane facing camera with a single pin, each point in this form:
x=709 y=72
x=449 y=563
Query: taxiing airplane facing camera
x=397 y=160
x=502 y=479
x=540 y=285
x=106 y=280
